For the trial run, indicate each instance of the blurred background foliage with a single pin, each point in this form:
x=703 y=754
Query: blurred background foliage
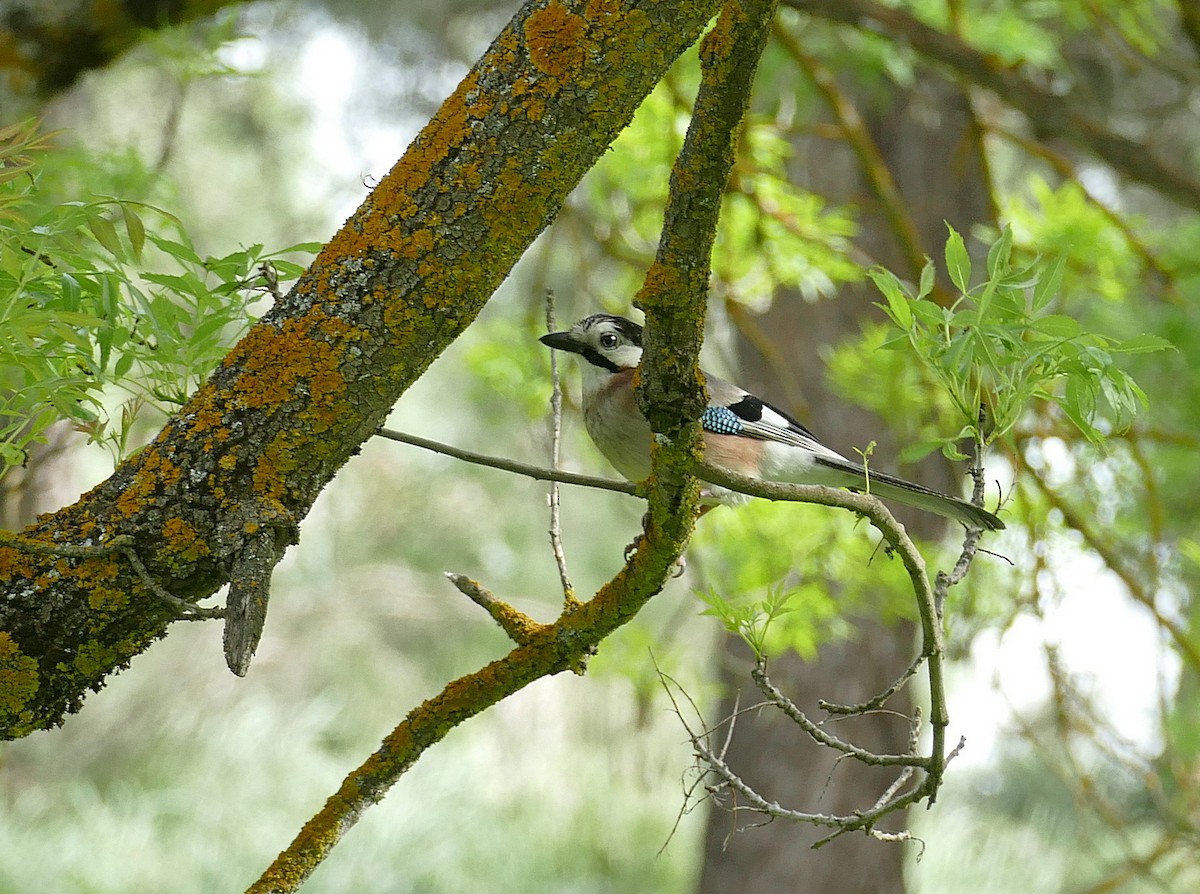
x=1077 y=649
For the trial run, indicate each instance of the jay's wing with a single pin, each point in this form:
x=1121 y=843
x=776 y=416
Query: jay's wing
x=735 y=411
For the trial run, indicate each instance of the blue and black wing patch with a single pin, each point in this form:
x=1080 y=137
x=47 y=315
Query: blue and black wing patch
x=733 y=419
x=752 y=417
x=721 y=420
x=749 y=415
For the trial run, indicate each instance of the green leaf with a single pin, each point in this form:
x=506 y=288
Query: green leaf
x=71 y=292
x=1057 y=326
x=958 y=262
x=1079 y=403
x=176 y=250
x=1143 y=344
x=999 y=254
x=918 y=451
x=1050 y=282
x=183 y=285
x=122 y=366
x=299 y=247
x=106 y=234
x=952 y=453
x=928 y=278
x=135 y=229
x=897 y=304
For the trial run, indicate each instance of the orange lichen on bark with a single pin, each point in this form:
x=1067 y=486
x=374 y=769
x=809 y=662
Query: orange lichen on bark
x=555 y=38
x=155 y=472
x=183 y=541
x=15 y=563
x=275 y=360
x=636 y=43
x=277 y=463
x=662 y=284
x=718 y=43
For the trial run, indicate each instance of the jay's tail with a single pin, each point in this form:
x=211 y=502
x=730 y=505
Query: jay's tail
x=889 y=487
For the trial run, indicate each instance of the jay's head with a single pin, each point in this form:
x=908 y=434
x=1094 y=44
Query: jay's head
x=605 y=341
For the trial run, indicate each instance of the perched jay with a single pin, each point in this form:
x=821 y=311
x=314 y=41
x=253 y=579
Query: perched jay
x=742 y=433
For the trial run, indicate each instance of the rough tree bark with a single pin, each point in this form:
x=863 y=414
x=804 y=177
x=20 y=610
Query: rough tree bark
x=221 y=490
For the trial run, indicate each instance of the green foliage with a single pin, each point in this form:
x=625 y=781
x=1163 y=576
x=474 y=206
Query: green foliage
x=752 y=619
x=510 y=380
x=998 y=347
x=106 y=292
x=792 y=577
x=1033 y=33
x=1062 y=221
x=196 y=50
x=773 y=234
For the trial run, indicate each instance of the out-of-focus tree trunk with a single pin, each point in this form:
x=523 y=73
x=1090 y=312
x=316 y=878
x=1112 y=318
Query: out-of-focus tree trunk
x=932 y=148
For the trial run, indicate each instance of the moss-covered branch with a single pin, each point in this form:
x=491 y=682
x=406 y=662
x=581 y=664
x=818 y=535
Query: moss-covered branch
x=317 y=375
x=729 y=59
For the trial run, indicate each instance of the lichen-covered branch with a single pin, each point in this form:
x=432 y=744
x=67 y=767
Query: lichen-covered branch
x=318 y=374
x=673 y=491
x=521 y=628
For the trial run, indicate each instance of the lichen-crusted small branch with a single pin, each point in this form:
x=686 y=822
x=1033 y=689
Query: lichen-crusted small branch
x=122 y=545
x=249 y=593
x=674 y=296
x=521 y=628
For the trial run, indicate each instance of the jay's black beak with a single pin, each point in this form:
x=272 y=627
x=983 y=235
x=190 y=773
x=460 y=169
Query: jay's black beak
x=562 y=341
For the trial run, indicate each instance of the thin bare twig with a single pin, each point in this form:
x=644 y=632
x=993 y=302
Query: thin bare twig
x=878 y=701
x=510 y=465
x=556 y=546
x=819 y=735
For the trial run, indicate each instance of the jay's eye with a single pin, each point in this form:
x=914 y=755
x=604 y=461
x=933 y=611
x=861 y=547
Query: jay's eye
x=609 y=340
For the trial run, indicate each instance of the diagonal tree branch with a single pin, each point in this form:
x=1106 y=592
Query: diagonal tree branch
x=318 y=374
x=673 y=490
